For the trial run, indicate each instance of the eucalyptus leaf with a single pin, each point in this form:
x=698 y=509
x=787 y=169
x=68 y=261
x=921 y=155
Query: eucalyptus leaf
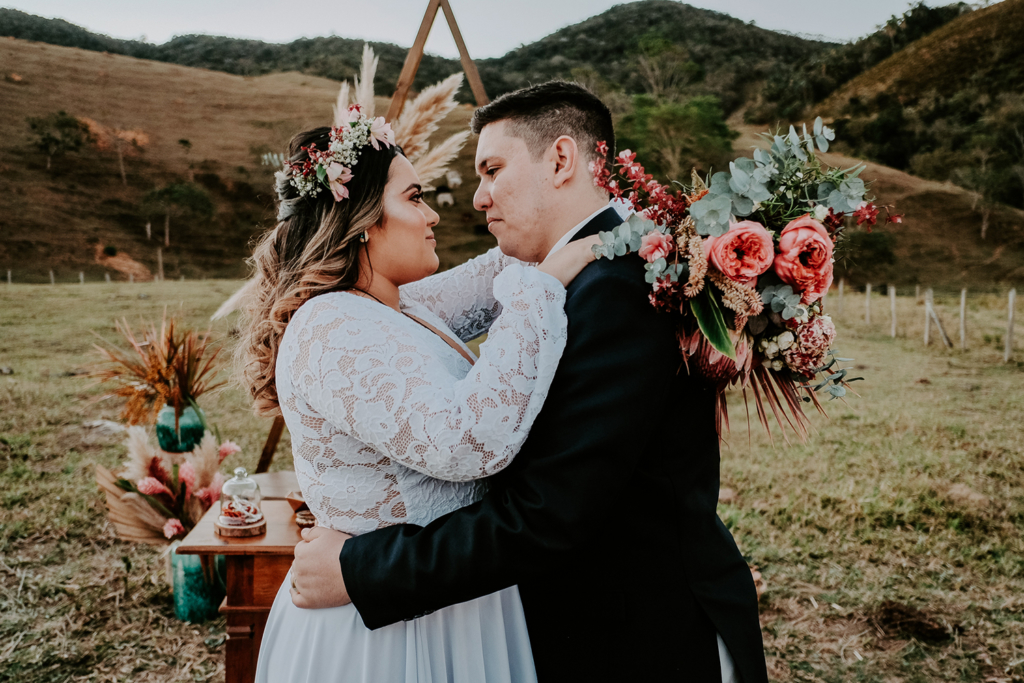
x=742 y=206
x=712 y=323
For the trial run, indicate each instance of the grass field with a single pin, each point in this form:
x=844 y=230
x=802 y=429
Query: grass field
x=912 y=492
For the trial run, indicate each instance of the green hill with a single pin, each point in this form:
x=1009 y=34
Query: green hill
x=732 y=54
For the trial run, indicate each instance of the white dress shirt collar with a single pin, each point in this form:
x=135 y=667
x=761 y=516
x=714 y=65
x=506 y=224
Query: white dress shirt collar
x=567 y=237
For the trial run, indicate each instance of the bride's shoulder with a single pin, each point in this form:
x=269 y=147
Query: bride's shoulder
x=330 y=308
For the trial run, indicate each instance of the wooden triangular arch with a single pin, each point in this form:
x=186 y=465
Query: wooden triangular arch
x=412 y=60
x=405 y=79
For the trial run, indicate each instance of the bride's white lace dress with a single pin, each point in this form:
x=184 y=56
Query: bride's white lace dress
x=391 y=425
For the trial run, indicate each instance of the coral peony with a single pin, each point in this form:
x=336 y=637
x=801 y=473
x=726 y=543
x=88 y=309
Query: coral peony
x=655 y=245
x=742 y=253
x=813 y=340
x=151 y=486
x=805 y=258
x=173 y=528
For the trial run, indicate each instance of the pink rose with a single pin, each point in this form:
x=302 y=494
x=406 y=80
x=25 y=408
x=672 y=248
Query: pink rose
x=228 y=448
x=805 y=258
x=655 y=245
x=173 y=528
x=743 y=253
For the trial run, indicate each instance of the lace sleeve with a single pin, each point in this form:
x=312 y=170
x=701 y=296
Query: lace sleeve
x=462 y=297
x=370 y=373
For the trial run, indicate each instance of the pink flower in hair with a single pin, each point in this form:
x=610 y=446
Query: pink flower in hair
x=173 y=528
x=380 y=131
x=228 y=448
x=337 y=176
x=151 y=486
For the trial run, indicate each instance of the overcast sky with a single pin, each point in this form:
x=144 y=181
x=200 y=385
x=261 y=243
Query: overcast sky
x=490 y=27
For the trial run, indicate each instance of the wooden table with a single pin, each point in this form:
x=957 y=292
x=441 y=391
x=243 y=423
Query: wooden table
x=256 y=568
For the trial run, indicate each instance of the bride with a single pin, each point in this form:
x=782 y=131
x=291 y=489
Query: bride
x=350 y=336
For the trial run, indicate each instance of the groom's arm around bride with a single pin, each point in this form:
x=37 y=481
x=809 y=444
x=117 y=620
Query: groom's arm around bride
x=607 y=517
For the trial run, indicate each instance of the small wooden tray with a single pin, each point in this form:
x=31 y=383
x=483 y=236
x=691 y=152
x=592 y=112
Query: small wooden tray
x=247 y=531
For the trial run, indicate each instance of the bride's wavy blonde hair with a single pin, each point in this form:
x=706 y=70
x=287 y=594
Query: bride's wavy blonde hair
x=313 y=249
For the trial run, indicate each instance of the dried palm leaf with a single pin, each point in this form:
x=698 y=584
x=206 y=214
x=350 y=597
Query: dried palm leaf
x=421 y=118
x=340 y=109
x=132 y=517
x=434 y=163
x=364 y=81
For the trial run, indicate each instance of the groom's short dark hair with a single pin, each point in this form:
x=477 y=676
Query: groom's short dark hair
x=540 y=114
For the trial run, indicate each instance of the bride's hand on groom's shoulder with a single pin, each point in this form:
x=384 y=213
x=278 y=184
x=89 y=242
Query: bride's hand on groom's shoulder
x=316 y=573
x=566 y=263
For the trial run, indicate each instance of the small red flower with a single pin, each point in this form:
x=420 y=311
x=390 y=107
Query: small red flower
x=867 y=213
x=602 y=148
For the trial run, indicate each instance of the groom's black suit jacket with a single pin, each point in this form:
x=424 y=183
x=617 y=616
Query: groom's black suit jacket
x=606 y=519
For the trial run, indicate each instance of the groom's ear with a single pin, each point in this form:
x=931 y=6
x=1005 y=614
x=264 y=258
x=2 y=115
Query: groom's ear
x=566 y=157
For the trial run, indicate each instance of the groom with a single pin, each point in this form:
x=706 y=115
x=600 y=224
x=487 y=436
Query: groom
x=606 y=519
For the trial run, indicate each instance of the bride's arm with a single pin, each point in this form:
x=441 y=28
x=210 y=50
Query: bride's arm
x=464 y=296
x=368 y=375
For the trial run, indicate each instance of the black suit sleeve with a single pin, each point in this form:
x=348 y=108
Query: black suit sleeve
x=563 y=490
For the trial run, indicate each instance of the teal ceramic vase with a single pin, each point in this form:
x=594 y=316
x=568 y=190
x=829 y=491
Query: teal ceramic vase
x=189 y=434
x=197 y=593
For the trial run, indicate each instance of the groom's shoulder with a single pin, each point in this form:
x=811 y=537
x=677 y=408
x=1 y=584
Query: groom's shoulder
x=610 y=283
x=624 y=271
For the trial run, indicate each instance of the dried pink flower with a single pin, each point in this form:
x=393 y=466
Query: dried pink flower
x=187 y=476
x=813 y=340
x=173 y=528
x=151 y=486
x=228 y=448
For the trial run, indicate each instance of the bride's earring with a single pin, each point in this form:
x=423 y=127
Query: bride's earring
x=365 y=237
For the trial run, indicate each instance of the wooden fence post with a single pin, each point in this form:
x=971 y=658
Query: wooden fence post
x=927 y=316
x=8 y=276
x=1009 y=328
x=917 y=293
x=842 y=282
x=106 y=276
x=892 y=310
x=942 y=331
x=81 y=278
x=963 y=319
x=131 y=278
x=160 y=263
x=867 y=304
x=53 y=280
x=149 y=230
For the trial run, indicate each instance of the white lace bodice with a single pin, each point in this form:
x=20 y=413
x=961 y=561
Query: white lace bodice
x=390 y=424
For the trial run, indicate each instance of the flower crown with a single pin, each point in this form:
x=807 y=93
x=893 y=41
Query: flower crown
x=332 y=168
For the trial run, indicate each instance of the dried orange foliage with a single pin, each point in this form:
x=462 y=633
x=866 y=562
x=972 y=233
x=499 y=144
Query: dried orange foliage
x=162 y=367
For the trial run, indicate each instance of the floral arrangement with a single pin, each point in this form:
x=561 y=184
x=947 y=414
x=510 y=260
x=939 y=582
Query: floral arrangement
x=745 y=262
x=332 y=168
x=163 y=367
x=160 y=496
